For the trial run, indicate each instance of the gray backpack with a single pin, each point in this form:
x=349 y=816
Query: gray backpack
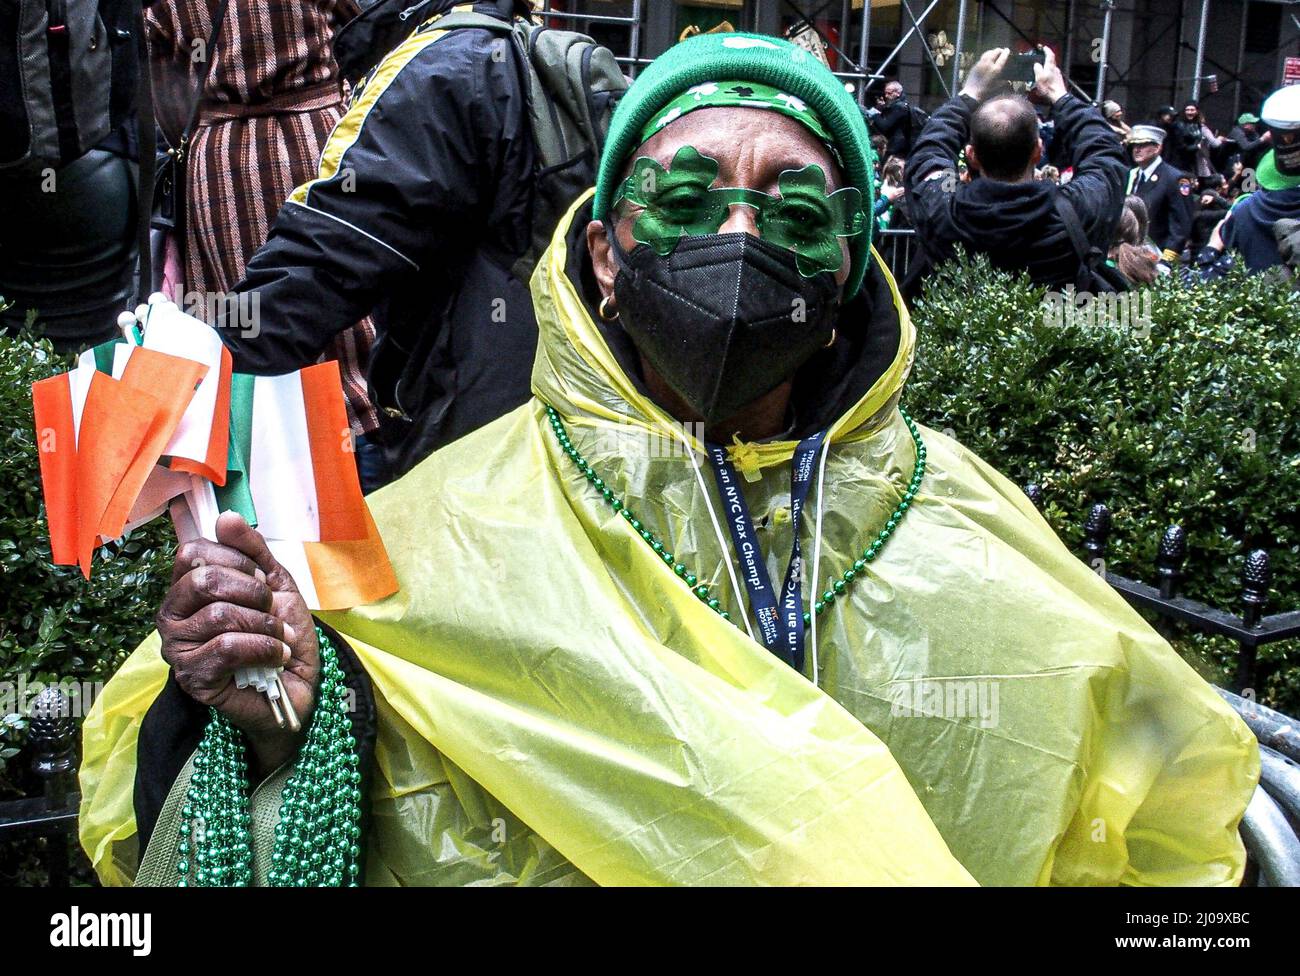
x=572 y=85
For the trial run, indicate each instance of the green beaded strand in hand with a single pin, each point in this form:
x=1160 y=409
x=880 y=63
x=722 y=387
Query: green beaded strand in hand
x=839 y=584
x=318 y=836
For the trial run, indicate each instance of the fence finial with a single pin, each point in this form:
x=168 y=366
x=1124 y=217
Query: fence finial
x=52 y=735
x=1096 y=531
x=1169 y=560
x=1255 y=580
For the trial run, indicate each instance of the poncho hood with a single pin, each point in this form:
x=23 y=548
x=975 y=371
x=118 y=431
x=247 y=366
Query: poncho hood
x=587 y=369
x=556 y=706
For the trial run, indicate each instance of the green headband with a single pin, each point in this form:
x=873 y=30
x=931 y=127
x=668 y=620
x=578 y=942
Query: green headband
x=740 y=94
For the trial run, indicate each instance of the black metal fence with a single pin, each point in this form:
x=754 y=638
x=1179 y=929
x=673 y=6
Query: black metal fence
x=897 y=247
x=1252 y=629
x=1270 y=828
x=51 y=814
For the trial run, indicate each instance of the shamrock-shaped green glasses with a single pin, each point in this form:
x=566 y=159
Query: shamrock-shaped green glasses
x=678 y=202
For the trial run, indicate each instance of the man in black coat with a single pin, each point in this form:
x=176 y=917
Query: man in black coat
x=423 y=203
x=1019 y=222
x=894 y=120
x=1168 y=193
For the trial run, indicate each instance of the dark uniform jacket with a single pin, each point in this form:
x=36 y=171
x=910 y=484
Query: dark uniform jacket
x=1018 y=225
x=422 y=204
x=1170 y=196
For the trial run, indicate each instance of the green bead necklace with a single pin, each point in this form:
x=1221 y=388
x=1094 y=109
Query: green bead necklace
x=317 y=838
x=839 y=584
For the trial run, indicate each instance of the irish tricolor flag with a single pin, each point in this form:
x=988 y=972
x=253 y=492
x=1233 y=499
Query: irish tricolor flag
x=293 y=474
x=101 y=431
x=138 y=428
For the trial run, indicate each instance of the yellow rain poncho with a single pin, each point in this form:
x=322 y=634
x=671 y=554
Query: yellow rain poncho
x=555 y=706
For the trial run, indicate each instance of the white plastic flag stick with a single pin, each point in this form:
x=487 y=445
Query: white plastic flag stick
x=187 y=519
x=290 y=713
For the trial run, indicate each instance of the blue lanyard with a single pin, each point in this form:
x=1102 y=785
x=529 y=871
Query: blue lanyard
x=779 y=615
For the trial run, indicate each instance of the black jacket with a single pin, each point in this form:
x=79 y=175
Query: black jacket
x=424 y=202
x=1181 y=146
x=1206 y=218
x=895 y=123
x=1018 y=225
x=1170 y=196
x=1252 y=148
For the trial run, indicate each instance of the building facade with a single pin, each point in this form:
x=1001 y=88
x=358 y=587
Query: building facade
x=1150 y=50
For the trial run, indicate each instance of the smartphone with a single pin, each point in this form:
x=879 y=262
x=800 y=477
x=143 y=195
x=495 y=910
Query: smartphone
x=1021 y=66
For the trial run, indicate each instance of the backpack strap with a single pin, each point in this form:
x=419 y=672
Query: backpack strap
x=213 y=45
x=1087 y=254
x=146 y=153
x=454 y=19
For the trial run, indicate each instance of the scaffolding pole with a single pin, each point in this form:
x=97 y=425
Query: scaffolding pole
x=898 y=48
x=1109 y=6
x=633 y=60
x=864 y=57
x=957 y=43
x=929 y=53
x=846 y=22
x=1241 y=59
x=1200 y=50
x=1067 y=50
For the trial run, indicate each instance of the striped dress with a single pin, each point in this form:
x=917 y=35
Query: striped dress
x=271 y=99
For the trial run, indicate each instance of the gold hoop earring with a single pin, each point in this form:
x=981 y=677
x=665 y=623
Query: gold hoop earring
x=604 y=310
x=832 y=339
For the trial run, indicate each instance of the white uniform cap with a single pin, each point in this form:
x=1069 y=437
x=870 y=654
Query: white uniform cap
x=1145 y=133
x=1282 y=109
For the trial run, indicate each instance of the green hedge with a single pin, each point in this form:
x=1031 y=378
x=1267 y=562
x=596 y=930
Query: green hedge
x=54 y=625
x=1183 y=412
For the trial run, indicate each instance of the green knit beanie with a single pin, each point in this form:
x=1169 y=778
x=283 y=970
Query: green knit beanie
x=746 y=57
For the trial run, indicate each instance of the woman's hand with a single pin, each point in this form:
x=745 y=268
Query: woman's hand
x=232 y=605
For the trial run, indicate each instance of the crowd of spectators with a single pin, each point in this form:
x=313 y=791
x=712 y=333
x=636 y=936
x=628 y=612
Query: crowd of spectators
x=1179 y=182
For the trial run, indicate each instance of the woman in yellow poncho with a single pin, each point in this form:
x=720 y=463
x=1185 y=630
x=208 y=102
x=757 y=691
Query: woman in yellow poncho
x=610 y=662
